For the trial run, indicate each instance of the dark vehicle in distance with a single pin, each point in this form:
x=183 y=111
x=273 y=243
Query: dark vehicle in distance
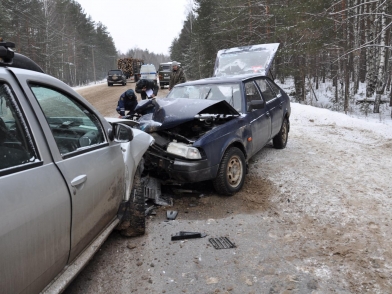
x=165 y=70
x=208 y=129
x=116 y=76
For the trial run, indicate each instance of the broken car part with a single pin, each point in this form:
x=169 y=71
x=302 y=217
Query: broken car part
x=171 y=214
x=221 y=243
x=187 y=235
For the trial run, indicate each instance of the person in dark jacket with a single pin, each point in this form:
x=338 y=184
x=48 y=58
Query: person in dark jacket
x=147 y=88
x=127 y=102
x=177 y=75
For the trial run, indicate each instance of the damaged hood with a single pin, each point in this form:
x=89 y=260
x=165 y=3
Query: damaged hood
x=169 y=113
x=245 y=60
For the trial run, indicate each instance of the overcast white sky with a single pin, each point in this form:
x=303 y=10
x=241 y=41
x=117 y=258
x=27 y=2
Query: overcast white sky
x=147 y=24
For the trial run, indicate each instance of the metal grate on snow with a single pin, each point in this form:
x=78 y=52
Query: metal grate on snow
x=221 y=243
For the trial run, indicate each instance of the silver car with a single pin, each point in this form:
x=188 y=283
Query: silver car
x=66 y=174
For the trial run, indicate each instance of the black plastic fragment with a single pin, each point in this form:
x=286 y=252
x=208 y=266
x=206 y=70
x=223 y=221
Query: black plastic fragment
x=187 y=235
x=221 y=243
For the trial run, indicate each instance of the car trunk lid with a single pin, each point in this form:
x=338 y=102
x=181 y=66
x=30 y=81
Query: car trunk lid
x=245 y=60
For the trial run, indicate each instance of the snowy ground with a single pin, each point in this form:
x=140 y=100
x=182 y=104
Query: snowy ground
x=325 y=94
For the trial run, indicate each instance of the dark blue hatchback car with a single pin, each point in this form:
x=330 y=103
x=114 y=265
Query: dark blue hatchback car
x=208 y=129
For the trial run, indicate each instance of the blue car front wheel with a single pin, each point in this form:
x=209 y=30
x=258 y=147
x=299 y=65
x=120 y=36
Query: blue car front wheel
x=231 y=173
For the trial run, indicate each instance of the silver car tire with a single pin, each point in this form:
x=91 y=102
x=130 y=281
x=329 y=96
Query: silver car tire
x=134 y=221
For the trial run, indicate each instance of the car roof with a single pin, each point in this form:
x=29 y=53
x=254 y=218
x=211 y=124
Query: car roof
x=11 y=59
x=222 y=79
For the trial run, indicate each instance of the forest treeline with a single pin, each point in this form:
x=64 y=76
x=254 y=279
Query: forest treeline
x=346 y=41
x=63 y=39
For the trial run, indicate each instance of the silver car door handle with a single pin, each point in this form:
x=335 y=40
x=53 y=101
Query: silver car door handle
x=78 y=180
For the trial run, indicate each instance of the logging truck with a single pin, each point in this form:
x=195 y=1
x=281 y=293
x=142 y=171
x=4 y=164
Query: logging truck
x=130 y=66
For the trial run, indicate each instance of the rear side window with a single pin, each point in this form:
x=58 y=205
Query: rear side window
x=265 y=90
x=16 y=144
x=275 y=88
x=74 y=127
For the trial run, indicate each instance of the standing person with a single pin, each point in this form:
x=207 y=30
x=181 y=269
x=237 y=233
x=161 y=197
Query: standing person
x=147 y=88
x=127 y=101
x=177 y=75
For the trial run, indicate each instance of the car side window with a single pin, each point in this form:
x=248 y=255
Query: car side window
x=274 y=87
x=74 y=127
x=16 y=144
x=251 y=93
x=265 y=90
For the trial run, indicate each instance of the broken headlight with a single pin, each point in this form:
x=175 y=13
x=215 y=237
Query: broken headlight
x=183 y=150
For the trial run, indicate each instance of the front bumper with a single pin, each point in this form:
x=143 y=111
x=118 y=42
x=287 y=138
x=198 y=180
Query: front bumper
x=164 y=82
x=118 y=81
x=180 y=170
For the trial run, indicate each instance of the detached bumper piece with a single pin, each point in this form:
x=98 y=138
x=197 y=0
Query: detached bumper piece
x=187 y=235
x=221 y=243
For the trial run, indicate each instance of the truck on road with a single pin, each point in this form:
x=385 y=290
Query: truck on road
x=130 y=67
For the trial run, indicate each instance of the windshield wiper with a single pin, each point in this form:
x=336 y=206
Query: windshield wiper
x=208 y=93
x=231 y=99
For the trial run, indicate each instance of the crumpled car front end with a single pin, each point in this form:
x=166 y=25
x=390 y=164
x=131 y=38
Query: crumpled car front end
x=187 y=134
x=132 y=151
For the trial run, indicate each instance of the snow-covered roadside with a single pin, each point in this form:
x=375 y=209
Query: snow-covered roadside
x=335 y=199
x=325 y=94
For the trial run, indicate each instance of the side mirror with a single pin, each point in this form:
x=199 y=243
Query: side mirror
x=111 y=134
x=256 y=104
x=122 y=133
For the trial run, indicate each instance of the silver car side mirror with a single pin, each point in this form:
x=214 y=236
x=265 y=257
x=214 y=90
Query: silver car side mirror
x=122 y=133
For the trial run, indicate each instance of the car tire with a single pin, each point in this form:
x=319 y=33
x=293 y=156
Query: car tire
x=280 y=140
x=231 y=173
x=134 y=221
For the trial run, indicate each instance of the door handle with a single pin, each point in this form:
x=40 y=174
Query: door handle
x=281 y=105
x=78 y=180
x=267 y=114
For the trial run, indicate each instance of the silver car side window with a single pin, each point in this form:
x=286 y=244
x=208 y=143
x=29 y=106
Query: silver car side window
x=16 y=145
x=74 y=127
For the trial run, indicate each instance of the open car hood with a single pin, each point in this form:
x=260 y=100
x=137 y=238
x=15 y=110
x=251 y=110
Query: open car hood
x=245 y=60
x=169 y=113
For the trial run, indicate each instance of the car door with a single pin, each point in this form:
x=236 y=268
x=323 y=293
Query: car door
x=260 y=119
x=274 y=104
x=92 y=168
x=35 y=205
